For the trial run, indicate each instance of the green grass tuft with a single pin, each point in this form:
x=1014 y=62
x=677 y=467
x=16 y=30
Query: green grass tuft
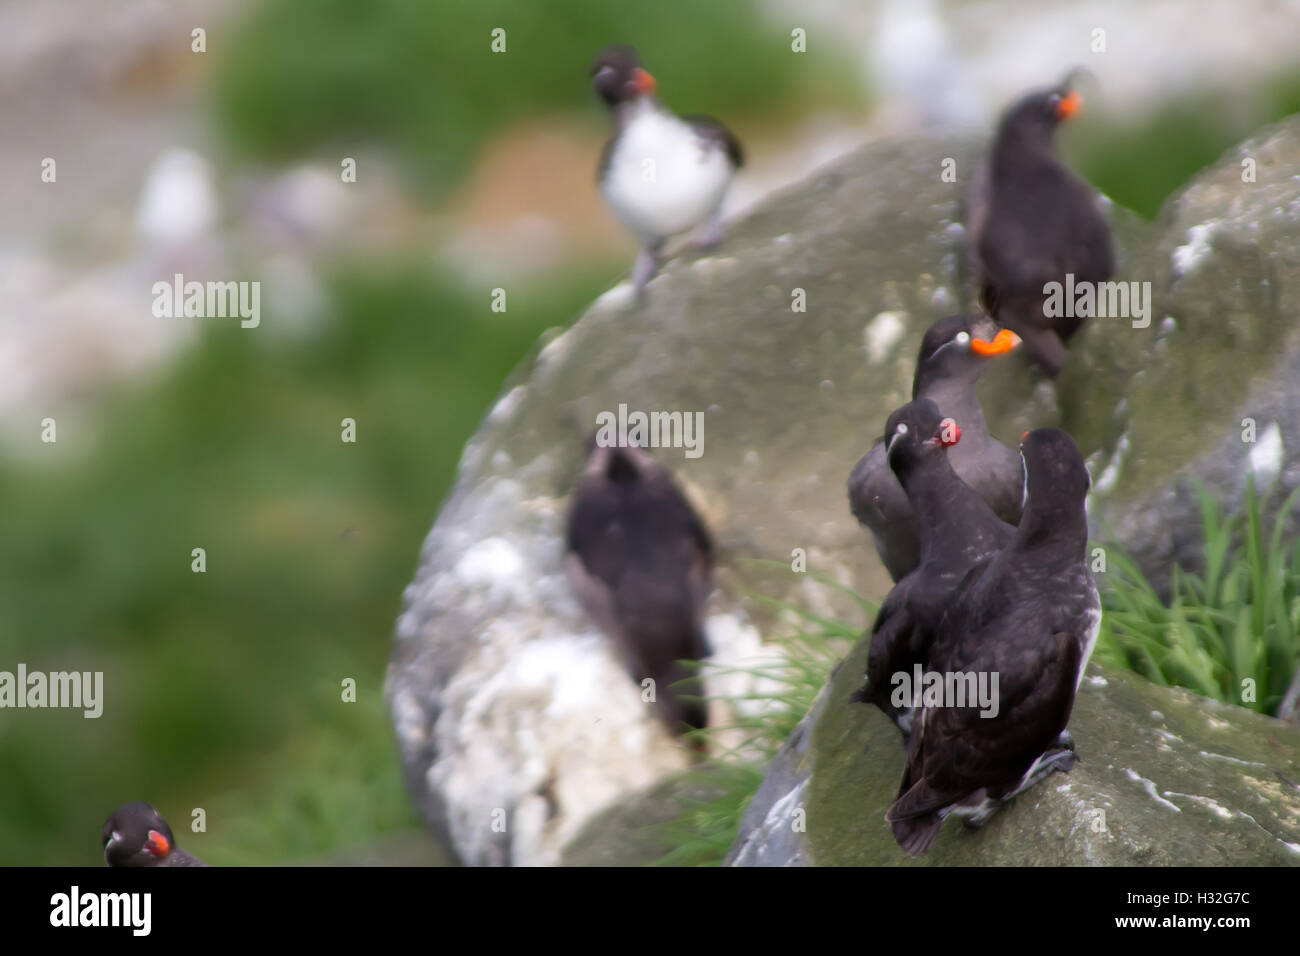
x=704 y=831
x=1231 y=632
x=222 y=689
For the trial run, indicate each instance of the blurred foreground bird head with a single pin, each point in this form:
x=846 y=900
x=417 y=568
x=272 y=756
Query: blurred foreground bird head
x=619 y=77
x=1037 y=115
x=135 y=834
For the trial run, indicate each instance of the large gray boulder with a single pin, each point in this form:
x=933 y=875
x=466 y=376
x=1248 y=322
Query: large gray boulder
x=1164 y=777
x=516 y=723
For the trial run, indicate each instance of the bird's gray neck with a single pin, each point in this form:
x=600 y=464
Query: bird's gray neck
x=1015 y=146
x=931 y=486
x=957 y=399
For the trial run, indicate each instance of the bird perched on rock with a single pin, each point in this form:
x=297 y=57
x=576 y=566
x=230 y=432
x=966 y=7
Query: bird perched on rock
x=135 y=834
x=641 y=563
x=954 y=354
x=1033 y=222
x=957 y=531
x=1027 y=618
x=661 y=174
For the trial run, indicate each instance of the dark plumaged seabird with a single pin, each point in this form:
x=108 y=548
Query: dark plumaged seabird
x=1030 y=616
x=957 y=530
x=1032 y=221
x=954 y=354
x=137 y=835
x=641 y=562
x=661 y=174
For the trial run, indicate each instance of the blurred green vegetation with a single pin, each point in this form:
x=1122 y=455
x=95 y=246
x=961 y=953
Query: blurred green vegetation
x=1140 y=163
x=421 y=79
x=223 y=689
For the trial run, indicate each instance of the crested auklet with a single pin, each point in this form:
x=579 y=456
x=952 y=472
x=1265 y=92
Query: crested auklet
x=135 y=834
x=957 y=531
x=952 y=358
x=660 y=173
x=1032 y=222
x=1030 y=616
x=641 y=562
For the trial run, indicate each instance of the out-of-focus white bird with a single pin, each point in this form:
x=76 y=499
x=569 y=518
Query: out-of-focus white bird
x=178 y=204
x=917 y=68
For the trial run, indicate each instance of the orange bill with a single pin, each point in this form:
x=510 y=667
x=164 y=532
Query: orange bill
x=1069 y=105
x=645 y=83
x=1002 y=343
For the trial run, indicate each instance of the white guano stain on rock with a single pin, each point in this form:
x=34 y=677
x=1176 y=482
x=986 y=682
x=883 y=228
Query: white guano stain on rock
x=1240 y=763
x=784 y=808
x=618 y=297
x=882 y=333
x=1218 y=809
x=529 y=709
x=1187 y=257
x=1266 y=455
x=506 y=405
x=1150 y=787
x=778 y=817
x=556 y=348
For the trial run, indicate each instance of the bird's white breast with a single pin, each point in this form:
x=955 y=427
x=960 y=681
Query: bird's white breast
x=663 y=177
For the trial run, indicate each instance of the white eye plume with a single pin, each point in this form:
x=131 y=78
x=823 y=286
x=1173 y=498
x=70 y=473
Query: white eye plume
x=899 y=431
x=1024 y=471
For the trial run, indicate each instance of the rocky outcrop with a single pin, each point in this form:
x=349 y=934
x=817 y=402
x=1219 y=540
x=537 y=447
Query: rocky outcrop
x=1164 y=777
x=795 y=340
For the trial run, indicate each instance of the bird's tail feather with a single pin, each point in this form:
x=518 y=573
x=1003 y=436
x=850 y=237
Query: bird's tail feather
x=916 y=836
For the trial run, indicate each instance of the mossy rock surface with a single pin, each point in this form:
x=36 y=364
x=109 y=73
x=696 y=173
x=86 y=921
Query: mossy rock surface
x=1163 y=777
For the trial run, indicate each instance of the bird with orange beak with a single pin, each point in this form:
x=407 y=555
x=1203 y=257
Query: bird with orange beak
x=661 y=174
x=1033 y=222
x=135 y=834
x=958 y=532
x=954 y=354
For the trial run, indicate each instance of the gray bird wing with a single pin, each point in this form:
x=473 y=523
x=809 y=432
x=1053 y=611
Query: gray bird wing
x=878 y=501
x=709 y=129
